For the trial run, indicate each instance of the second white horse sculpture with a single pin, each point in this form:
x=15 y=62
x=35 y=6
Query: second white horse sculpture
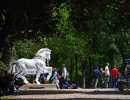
x=36 y=64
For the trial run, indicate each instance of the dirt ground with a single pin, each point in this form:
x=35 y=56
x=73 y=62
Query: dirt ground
x=72 y=94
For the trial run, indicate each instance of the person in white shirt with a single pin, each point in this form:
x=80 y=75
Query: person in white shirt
x=107 y=74
x=63 y=79
x=64 y=71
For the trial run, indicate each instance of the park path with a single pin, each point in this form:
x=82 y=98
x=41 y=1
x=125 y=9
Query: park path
x=72 y=94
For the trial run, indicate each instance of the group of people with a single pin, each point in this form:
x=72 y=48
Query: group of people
x=8 y=83
x=106 y=72
x=63 y=83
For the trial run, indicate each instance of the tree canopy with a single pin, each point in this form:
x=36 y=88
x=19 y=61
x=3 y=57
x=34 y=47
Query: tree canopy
x=82 y=34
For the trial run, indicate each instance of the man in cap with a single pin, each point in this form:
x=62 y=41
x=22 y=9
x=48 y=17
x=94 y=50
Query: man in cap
x=63 y=79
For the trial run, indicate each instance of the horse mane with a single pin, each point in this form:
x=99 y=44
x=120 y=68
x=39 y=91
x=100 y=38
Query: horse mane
x=42 y=50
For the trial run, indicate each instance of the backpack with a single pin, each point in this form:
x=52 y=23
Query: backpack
x=67 y=74
x=95 y=74
x=58 y=76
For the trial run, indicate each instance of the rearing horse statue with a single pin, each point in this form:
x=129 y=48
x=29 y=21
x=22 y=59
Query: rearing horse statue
x=36 y=64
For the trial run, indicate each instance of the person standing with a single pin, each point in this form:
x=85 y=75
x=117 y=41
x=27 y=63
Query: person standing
x=64 y=71
x=54 y=78
x=115 y=77
x=63 y=78
x=127 y=70
x=107 y=74
x=96 y=75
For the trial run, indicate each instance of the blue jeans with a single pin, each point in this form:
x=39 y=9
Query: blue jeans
x=106 y=82
x=11 y=89
x=114 y=82
x=62 y=82
x=127 y=77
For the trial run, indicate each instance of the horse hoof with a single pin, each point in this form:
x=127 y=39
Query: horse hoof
x=26 y=83
x=38 y=83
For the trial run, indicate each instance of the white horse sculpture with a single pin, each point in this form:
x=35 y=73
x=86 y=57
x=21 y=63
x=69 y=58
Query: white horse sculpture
x=36 y=64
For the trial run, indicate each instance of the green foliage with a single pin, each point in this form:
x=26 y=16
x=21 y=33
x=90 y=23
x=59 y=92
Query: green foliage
x=96 y=31
x=3 y=67
x=26 y=49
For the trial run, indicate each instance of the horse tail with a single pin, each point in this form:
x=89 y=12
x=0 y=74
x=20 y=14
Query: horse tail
x=10 y=66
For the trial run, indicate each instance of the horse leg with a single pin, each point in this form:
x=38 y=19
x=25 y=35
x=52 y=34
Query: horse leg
x=50 y=72
x=21 y=70
x=37 y=76
x=16 y=71
x=23 y=78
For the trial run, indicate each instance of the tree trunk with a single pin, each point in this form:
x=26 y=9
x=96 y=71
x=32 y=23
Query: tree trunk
x=76 y=71
x=110 y=68
x=90 y=64
x=90 y=74
x=93 y=63
x=71 y=70
x=6 y=30
x=124 y=63
x=83 y=64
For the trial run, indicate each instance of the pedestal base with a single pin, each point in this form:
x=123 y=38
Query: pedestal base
x=40 y=86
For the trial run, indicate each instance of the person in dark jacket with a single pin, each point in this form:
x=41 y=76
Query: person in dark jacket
x=127 y=71
x=11 y=84
x=96 y=75
x=4 y=81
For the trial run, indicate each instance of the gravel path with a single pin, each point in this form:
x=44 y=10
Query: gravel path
x=72 y=94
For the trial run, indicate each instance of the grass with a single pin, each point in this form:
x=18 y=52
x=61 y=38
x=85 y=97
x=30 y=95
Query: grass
x=7 y=97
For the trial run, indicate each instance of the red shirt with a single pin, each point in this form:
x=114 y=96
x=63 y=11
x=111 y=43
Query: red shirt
x=114 y=72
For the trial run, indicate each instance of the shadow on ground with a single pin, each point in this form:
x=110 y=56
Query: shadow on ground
x=49 y=92
x=67 y=99
x=56 y=92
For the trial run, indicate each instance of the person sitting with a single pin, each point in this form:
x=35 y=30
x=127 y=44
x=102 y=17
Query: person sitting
x=73 y=86
x=66 y=85
x=43 y=79
x=17 y=83
x=102 y=83
x=13 y=87
x=3 y=84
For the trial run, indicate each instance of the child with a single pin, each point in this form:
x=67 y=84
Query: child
x=102 y=83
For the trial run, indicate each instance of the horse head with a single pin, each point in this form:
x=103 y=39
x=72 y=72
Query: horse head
x=44 y=52
x=48 y=55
